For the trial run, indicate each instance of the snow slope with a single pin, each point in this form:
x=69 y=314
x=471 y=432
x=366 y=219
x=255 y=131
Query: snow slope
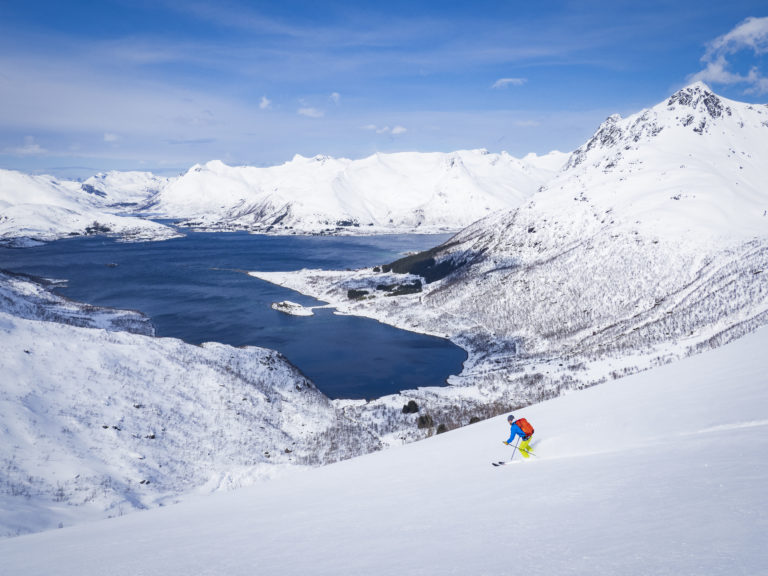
x=24 y=298
x=43 y=208
x=695 y=163
x=124 y=191
x=96 y=421
x=385 y=192
x=662 y=472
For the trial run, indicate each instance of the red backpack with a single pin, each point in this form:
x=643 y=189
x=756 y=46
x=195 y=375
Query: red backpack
x=525 y=426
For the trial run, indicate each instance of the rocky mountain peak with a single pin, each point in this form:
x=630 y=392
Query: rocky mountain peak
x=700 y=98
x=694 y=107
x=608 y=135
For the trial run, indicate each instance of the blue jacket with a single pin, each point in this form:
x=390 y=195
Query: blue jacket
x=515 y=430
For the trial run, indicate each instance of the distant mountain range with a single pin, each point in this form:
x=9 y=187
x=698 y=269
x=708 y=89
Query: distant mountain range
x=384 y=193
x=402 y=192
x=43 y=208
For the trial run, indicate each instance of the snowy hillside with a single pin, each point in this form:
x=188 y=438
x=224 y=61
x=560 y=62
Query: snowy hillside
x=42 y=208
x=659 y=473
x=98 y=418
x=97 y=422
x=22 y=297
x=384 y=192
x=124 y=191
x=652 y=243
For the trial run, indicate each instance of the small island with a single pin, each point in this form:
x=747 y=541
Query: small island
x=292 y=308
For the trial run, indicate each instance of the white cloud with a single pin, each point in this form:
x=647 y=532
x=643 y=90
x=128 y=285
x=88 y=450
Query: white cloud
x=30 y=148
x=310 y=112
x=751 y=34
x=394 y=131
x=335 y=97
x=505 y=82
x=111 y=137
x=265 y=103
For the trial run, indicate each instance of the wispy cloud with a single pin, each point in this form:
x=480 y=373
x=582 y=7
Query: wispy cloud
x=527 y=123
x=235 y=16
x=750 y=35
x=191 y=141
x=506 y=82
x=310 y=112
x=30 y=148
x=257 y=82
x=394 y=130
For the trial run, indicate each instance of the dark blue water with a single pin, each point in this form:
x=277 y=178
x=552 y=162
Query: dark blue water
x=194 y=288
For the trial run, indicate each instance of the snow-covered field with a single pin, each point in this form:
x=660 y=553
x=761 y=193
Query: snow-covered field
x=658 y=473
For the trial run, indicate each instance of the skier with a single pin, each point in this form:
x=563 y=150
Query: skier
x=522 y=429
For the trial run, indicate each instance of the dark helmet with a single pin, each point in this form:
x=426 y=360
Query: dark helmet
x=511 y=418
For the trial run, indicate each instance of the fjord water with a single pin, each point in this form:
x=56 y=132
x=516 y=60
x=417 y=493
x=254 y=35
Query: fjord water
x=195 y=288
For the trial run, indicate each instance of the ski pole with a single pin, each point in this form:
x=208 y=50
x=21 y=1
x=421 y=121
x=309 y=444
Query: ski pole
x=515 y=448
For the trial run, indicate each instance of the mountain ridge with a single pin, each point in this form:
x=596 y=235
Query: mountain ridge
x=404 y=192
x=397 y=192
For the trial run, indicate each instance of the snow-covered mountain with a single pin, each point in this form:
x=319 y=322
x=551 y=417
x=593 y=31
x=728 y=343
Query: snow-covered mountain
x=401 y=192
x=43 y=208
x=659 y=473
x=694 y=163
x=124 y=191
x=654 y=238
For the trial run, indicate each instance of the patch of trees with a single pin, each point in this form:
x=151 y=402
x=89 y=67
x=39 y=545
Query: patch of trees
x=97 y=228
x=425 y=264
x=401 y=289
x=357 y=294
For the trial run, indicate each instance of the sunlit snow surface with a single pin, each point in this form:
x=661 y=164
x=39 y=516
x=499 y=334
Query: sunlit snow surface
x=659 y=473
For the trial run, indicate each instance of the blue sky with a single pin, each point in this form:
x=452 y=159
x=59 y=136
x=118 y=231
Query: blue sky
x=159 y=85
